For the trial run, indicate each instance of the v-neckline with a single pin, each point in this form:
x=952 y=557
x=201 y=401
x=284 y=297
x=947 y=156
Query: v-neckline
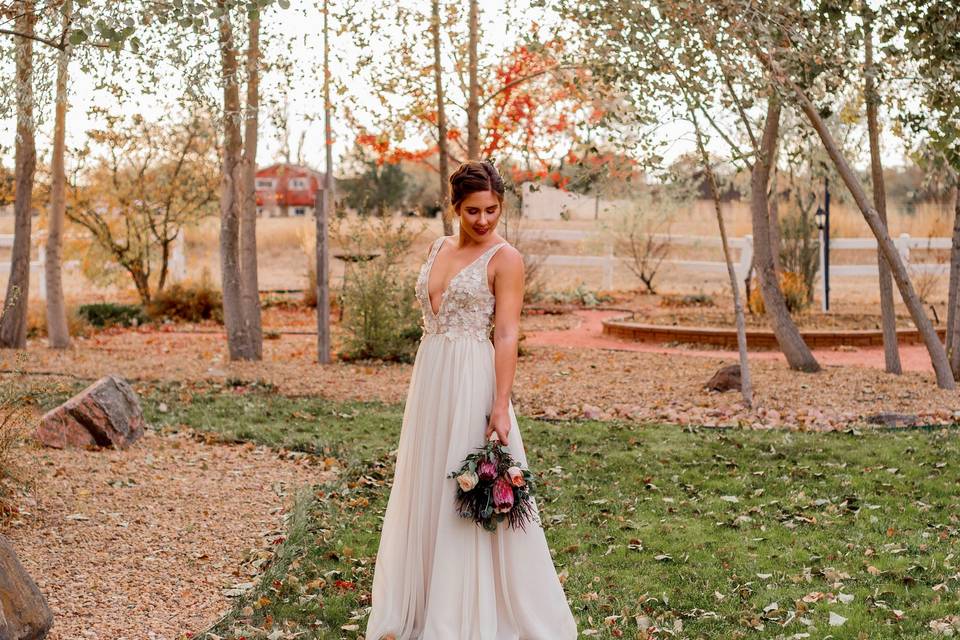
x=443 y=294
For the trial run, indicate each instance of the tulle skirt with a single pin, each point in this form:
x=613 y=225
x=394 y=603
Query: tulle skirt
x=439 y=576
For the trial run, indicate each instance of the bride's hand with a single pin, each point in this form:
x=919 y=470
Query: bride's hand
x=499 y=423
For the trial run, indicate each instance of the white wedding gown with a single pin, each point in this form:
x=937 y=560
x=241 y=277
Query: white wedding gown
x=439 y=576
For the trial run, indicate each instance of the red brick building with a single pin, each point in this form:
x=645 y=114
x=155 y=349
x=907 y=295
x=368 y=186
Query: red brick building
x=287 y=190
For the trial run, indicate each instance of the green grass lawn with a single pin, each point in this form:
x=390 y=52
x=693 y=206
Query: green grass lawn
x=687 y=533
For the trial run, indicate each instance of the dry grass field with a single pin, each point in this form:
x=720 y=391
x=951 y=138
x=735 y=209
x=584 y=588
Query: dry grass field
x=285 y=248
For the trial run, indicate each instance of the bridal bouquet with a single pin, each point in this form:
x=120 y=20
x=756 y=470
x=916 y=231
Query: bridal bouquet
x=492 y=488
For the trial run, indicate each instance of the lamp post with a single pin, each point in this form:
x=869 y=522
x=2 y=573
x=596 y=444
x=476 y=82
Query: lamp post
x=823 y=224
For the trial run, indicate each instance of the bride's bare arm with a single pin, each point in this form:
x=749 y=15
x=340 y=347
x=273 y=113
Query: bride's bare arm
x=508 y=291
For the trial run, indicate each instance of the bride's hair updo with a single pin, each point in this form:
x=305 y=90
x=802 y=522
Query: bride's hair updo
x=473 y=176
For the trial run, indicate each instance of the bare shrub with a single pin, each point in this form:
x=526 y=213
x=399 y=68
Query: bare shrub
x=927 y=282
x=77 y=325
x=191 y=301
x=640 y=232
x=13 y=473
x=794 y=289
x=800 y=249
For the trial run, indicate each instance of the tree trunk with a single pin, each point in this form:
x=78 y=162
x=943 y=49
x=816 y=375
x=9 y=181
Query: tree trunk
x=773 y=197
x=473 y=103
x=746 y=388
x=791 y=343
x=891 y=353
x=58 y=334
x=323 y=207
x=446 y=214
x=249 y=282
x=231 y=177
x=953 y=304
x=13 y=316
x=938 y=355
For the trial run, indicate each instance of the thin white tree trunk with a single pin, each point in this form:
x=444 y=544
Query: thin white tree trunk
x=791 y=343
x=443 y=162
x=938 y=355
x=13 y=315
x=891 y=353
x=231 y=178
x=746 y=386
x=58 y=333
x=473 y=102
x=249 y=282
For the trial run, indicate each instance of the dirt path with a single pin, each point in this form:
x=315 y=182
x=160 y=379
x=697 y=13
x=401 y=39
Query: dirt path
x=588 y=333
x=141 y=544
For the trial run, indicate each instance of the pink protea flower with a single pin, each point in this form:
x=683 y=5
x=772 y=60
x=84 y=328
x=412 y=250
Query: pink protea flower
x=487 y=470
x=502 y=495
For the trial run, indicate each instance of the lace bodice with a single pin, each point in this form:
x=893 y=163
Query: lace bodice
x=466 y=306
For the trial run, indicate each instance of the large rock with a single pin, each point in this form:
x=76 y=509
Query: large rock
x=24 y=614
x=107 y=413
x=725 y=379
x=889 y=419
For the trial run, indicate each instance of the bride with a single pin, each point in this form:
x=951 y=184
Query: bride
x=439 y=576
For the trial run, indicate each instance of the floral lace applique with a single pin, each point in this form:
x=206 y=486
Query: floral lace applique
x=466 y=306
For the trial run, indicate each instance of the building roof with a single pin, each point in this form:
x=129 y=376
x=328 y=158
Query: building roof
x=290 y=170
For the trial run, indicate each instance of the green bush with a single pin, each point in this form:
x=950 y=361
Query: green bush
x=109 y=314
x=580 y=296
x=188 y=302
x=380 y=313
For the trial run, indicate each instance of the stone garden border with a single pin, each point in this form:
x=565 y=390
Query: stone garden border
x=757 y=339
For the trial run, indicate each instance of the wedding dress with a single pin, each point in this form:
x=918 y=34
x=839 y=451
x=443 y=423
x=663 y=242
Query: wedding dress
x=439 y=576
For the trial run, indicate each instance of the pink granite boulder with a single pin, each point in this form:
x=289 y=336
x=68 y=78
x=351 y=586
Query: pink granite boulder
x=107 y=413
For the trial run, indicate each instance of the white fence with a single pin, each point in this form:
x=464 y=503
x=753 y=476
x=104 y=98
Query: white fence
x=608 y=261
x=36 y=266
x=177 y=265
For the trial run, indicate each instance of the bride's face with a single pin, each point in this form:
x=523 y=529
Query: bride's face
x=479 y=214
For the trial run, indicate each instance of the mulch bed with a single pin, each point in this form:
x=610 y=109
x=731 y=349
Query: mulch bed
x=147 y=543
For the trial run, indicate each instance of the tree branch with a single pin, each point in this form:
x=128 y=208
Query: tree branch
x=50 y=43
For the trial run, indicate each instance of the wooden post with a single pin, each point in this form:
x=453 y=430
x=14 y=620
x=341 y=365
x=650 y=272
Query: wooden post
x=323 y=280
x=322 y=208
x=608 y=266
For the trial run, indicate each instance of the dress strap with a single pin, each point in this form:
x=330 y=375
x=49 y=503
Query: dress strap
x=488 y=255
x=435 y=248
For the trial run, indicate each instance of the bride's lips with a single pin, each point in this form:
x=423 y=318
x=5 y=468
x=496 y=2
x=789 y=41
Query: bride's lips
x=481 y=231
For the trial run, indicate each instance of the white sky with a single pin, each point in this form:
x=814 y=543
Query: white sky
x=301 y=26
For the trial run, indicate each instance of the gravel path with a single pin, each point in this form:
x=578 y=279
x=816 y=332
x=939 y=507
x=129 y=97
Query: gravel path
x=140 y=544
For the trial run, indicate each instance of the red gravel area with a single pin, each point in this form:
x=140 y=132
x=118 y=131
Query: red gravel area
x=588 y=334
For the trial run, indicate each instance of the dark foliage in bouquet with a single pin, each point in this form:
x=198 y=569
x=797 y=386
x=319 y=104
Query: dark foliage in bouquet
x=492 y=488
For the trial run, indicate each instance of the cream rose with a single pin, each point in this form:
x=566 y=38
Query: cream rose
x=467 y=480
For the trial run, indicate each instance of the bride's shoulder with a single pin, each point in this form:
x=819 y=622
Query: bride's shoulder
x=508 y=257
